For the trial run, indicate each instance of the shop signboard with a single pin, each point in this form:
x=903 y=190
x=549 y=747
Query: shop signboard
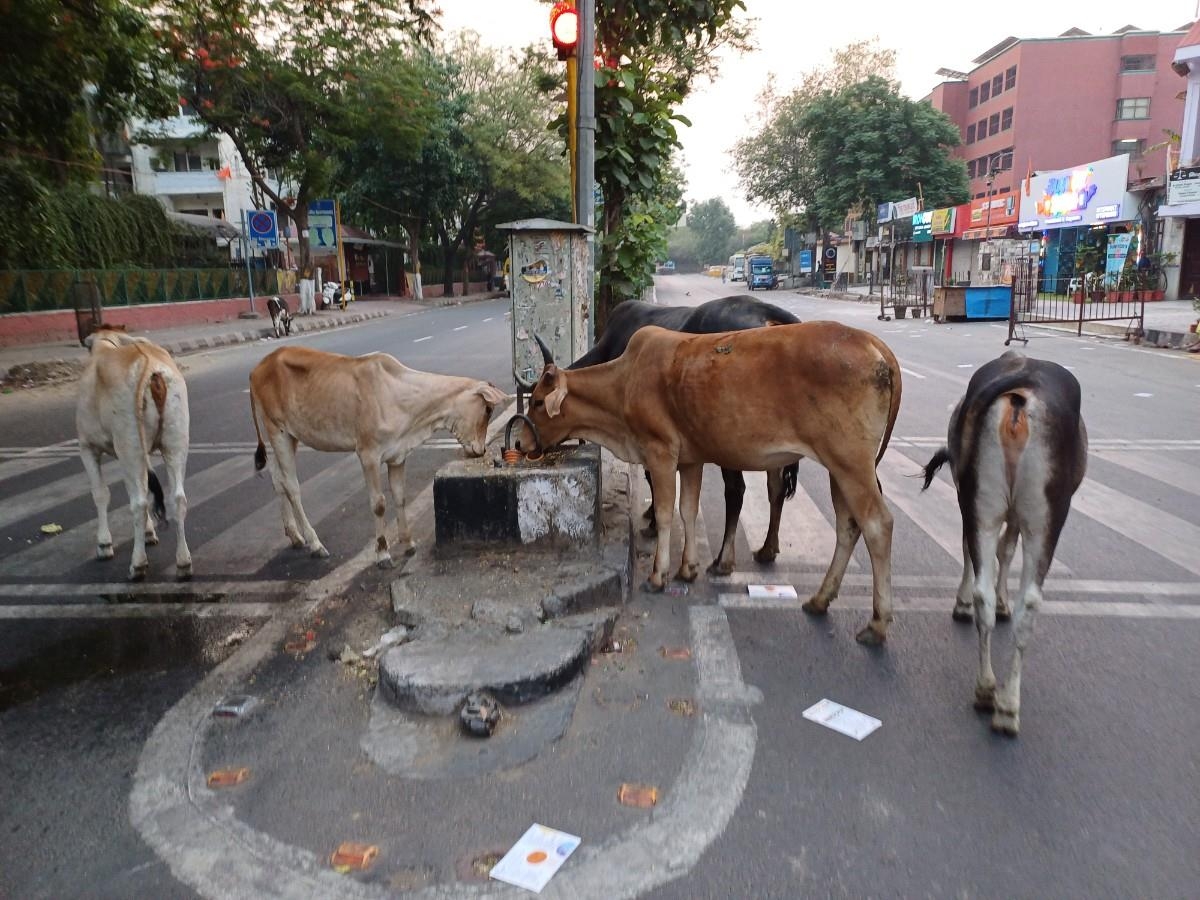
x=883 y=212
x=942 y=221
x=906 y=209
x=806 y=261
x=1184 y=186
x=1118 y=251
x=1088 y=194
x=922 y=225
x=1003 y=211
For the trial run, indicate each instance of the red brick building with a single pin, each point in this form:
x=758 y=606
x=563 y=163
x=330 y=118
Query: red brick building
x=1051 y=103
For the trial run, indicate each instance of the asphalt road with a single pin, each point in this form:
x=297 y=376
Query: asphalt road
x=1095 y=799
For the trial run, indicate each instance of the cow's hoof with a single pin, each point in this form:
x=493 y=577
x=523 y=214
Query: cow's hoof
x=649 y=531
x=385 y=562
x=765 y=556
x=649 y=587
x=319 y=553
x=296 y=541
x=1006 y=723
x=138 y=574
x=871 y=637
x=985 y=698
x=410 y=549
x=1003 y=612
x=687 y=573
x=813 y=608
x=716 y=567
x=104 y=551
x=151 y=539
x=183 y=573
x=962 y=614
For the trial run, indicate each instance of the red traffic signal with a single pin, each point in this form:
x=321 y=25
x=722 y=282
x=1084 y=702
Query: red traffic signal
x=564 y=28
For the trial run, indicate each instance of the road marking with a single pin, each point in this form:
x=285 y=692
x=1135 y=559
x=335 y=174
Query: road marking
x=428 y=337
x=1143 y=394
x=462 y=327
x=912 y=373
x=1115 y=609
x=149 y=588
x=966 y=365
x=489 y=318
x=197 y=835
x=806 y=537
x=1159 y=532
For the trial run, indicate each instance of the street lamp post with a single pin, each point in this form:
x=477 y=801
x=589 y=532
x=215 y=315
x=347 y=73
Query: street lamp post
x=987 y=231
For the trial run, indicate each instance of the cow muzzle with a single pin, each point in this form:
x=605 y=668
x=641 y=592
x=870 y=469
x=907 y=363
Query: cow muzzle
x=527 y=434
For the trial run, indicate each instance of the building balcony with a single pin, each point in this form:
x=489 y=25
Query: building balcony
x=167 y=184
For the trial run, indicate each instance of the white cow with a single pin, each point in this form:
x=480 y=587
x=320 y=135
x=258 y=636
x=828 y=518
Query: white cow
x=133 y=401
x=1017 y=449
x=372 y=405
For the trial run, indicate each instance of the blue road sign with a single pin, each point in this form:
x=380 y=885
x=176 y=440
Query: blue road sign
x=806 y=260
x=262 y=229
x=322 y=225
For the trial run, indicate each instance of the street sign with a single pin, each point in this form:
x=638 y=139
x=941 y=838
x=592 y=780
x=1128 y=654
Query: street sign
x=806 y=261
x=262 y=229
x=322 y=225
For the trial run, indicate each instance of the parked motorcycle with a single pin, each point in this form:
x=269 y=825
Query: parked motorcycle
x=332 y=295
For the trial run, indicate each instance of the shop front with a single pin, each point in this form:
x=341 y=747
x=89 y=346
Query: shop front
x=989 y=239
x=1083 y=222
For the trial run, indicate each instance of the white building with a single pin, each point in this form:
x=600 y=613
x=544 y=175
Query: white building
x=1181 y=213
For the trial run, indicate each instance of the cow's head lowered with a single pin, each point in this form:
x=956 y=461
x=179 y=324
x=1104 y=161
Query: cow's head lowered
x=469 y=412
x=545 y=407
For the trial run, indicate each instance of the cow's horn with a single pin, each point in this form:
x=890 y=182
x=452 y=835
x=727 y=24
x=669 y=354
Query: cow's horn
x=547 y=356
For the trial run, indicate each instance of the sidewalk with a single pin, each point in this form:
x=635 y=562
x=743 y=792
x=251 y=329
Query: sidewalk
x=1166 y=323
x=34 y=364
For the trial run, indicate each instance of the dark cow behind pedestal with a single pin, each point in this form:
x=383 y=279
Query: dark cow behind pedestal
x=1017 y=449
x=734 y=313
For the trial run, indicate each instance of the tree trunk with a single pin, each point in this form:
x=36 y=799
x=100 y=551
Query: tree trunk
x=447 y=261
x=414 y=250
x=607 y=300
x=299 y=216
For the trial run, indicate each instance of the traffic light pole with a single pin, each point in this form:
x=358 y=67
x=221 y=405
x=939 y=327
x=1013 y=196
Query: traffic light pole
x=573 y=133
x=585 y=166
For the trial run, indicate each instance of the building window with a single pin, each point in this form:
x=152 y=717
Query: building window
x=185 y=161
x=1006 y=119
x=1010 y=78
x=981 y=130
x=1006 y=159
x=994 y=123
x=1133 y=147
x=970 y=168
x=973 y=98
x=187 y=111
x=971 y=133
x=985 y=91
x=997 y=85
x=1142 y=62
x=194 y=212
x=1133 y=108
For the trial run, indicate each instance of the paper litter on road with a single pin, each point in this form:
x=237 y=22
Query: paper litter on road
x=534 y=859
x=782 y=591
x=842 y=719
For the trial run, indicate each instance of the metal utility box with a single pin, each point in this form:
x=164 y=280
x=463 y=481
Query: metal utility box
x=551 y=293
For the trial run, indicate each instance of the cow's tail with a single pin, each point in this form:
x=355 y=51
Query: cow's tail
x=895 y=388
x=791 y=475
x=931 y=468
x=151 y=381
x=260 y=454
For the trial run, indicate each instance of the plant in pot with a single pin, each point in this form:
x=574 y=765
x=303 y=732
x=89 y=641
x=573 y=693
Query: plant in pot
x=1195 y=326
x=1157 y=273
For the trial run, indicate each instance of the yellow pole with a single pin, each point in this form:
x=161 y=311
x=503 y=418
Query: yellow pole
x=572 y=139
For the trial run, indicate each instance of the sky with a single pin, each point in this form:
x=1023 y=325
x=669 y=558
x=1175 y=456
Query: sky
x=794 y=36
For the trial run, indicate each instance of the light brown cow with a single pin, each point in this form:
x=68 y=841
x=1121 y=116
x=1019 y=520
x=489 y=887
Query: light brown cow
x=372 y=405
x=747 y=400
x=133 y=401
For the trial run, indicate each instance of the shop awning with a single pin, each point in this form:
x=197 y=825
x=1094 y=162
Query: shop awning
x=982 y=234
x=1180 y=210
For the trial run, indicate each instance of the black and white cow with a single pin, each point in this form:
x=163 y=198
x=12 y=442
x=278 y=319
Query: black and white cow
x=281 y=318
x=1017 y=449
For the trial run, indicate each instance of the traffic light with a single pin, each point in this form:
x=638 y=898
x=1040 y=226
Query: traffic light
x=564 y=28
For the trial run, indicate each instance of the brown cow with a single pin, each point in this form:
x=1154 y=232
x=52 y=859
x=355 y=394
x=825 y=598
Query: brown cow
x=370 y=404
x=747 y=400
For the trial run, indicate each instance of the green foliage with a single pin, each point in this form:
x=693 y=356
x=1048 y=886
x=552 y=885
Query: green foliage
x=681 y=247
x=715 y=228
x=68 y=67
x=869 y=145
x=66 y=227
x=626 y=254
x=776 y=166
x=653 y=50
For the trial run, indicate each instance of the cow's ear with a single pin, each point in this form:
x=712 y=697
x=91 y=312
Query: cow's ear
x=554 y=399
x=491 y=394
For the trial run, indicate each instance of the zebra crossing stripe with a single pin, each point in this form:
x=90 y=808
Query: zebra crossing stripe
x=1049 y=607
x=140 y=611
x=154 y=589
x=806 y=537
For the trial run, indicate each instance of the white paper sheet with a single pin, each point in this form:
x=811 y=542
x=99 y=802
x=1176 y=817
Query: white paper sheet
x=534 y=859
x=780 y=591
x=842 y=719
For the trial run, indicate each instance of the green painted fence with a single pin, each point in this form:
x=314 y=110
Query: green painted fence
x=35 y=290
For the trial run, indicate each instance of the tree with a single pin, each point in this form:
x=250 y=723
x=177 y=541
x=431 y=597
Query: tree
x=70 y=68
x=714 y=227
x=774 y=164
x=282 y=78
x=653 y=51
x=868 y=144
